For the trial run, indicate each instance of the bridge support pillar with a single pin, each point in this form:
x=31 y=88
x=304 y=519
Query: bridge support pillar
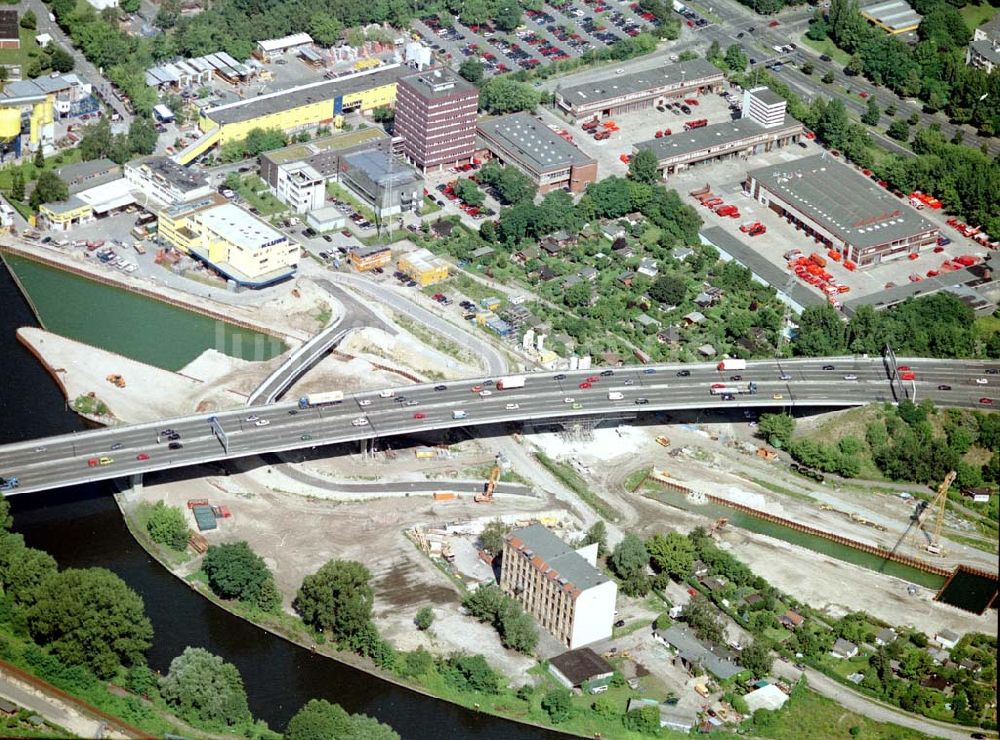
x=134 y=491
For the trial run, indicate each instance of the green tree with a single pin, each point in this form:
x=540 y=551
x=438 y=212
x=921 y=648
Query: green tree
x=23 y=569
x=871 y=114
x=417 y=663
x=321 y=720
x=558 y=704
x=821 y=333
x=828 y=77
x=777 y=429
x=60 y=60
x=899 y=130
x=424 y=618
x=166 y=525
x=39 y=160
x=517 y=628
x=668 y=288
x=325 y=29
x=808 y=68
x=470 y=673
x=469 y=193
x=472 y=70
x=17 y=185
x=702 y=616
x=337 y=599
x=507 y=15
x=736 y=59
x=90 y=617
x=506 y=95
x=645 y=720
x=205 y=689
x=598 y=533
x=493 y=536
x=644 y=167
x=28 y=20
x=130 y=6
x=142 y=136
x=672 y=554
x=236 y=572
x=756 y=658
x=629 y=560
x=854 y=66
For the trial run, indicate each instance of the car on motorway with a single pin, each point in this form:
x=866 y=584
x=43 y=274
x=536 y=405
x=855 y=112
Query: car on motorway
x=629 y=381
x=649 y=371
x=106 y=460
x=607 y=373
x=142 y=456
x=476 y=388
x=577 y=406
x=560 y=376
x=992 y=371
x=386 y=394
x=306 y=437
x=365 y=402
x=92 y=462
x=40 y=449
x=253 y=417
x=293 y=412
x=359 y=422
x=585 y=384
x=116 y=446
x=850 y=376
x=683 y=373
x=412 y=402
x=825 y=58
x=944 y=387
x=736 y=378
x=420 y=415
x=512 y=406
x=829 y=367
x=718 y=385
x=568 y=399
x=261 y=423
x=175 y=446
x=784 y=376
x=483 y=393
x=641 y=401
x=982 y=381
x=440 y=387
x=592 y=379
x=777 y=396
x=167 y=433
x=986 y=401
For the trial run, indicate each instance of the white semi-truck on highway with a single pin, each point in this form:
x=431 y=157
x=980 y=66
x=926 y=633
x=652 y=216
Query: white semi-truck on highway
x=510 y=382
x=733 y=365
x=733 y=389
x=313 y=400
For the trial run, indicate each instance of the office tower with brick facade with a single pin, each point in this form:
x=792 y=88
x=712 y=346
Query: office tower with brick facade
x=436 y=118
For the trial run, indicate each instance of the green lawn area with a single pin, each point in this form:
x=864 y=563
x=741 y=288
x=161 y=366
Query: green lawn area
x=810 y=715
x=475 y=290
x=777 y=634
x=428 y=207
x=974 y=15
x=253 y=190
x=827 y=47
x=24 y=54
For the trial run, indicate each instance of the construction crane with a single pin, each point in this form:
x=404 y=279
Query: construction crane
x=486 y=497
x=938 y=505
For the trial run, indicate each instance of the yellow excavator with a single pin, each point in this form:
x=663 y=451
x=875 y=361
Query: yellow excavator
x=486 y=497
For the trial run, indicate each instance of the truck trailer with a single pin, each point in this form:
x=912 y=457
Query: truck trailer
x=313 y=400
x=510 y=382
x=733 y=365
x=733 y=389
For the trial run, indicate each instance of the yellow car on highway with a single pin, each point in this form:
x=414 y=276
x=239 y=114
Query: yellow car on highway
x=777 y=396
x=106 y=461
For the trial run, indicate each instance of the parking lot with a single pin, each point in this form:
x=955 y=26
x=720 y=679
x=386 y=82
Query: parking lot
x=726 y=180
x=641 y=126
x=549 y=34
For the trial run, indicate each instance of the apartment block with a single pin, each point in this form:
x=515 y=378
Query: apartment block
x=560 y=587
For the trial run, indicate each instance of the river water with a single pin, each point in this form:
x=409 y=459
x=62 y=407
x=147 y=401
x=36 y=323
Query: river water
x=81 y=527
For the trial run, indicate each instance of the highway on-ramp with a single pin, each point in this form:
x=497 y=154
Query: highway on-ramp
x=202 y=438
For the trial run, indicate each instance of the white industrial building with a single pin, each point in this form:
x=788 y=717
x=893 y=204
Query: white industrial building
x=162 y=182
x=560 y=587
x=300 y=186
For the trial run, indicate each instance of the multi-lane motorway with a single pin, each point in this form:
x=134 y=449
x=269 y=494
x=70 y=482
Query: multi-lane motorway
x=140 y=448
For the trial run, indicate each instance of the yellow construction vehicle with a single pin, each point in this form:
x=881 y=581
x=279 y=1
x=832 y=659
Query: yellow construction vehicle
x=938 y=504
x=486 y=497
x=663 y=441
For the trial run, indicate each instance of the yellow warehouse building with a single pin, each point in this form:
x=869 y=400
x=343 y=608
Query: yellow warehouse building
x=423 y=267
x=297 y=109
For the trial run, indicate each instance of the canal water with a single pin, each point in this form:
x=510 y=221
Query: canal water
x=802 y=539
x=132 y=325
x=81 y=527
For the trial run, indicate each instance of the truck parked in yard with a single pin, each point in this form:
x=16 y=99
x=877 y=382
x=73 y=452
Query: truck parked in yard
x=313 y=400
x=510 y=382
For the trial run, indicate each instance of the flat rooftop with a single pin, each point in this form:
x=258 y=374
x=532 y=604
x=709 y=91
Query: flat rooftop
x=615 y=86
x=382 y=167
x=296 y=97
x=533 y=142
x=240 y=227
x=164 y=167
x=682 y=143
x=548 y=552
x=439 y=82
x=842 y=201
x=337 y=142
x=766 y=95
x=894 y=14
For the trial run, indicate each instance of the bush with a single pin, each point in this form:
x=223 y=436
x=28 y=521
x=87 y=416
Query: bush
x=166 y=525
x=471 y=673
x=424 y=618
x=558 y=704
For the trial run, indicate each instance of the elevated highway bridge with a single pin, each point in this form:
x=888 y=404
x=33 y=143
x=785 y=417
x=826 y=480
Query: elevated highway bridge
x=85 y=457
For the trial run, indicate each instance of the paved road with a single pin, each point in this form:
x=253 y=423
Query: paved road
x=51 y=709
x=870 y=708
x=492 y=359
x=101 y=86
x=616 y=394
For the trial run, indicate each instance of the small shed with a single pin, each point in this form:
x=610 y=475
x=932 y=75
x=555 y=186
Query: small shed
x=706 y=350
x=577 y=667
x=7 y=708
x=844 y=648
x=885 y=636
x=767 y=697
